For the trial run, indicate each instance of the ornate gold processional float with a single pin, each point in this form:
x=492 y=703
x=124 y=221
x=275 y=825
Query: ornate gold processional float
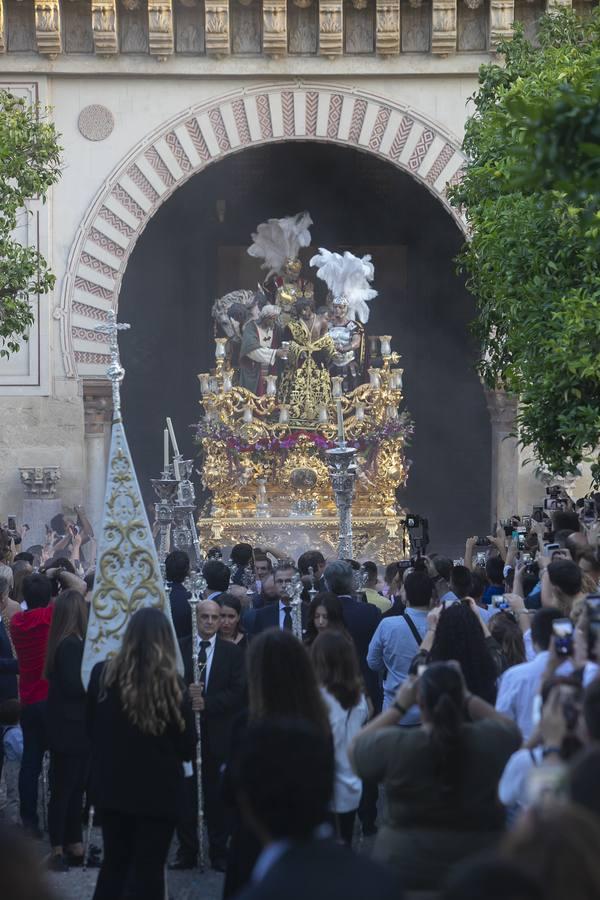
x=302 y=440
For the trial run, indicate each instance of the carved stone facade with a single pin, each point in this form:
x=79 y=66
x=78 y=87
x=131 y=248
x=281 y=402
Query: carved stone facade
x=48 y=27
x=443 y=26
x=40 y=481
x=104 y=27
x=331 y=28
x=218 y=37
x=275 y=34
x=502 y=15
x=273 y=28
x=388 y=27
x=161 y=41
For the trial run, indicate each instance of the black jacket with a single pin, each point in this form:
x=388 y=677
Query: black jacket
x=66 y=699
x=323 y=870
x=133 y=772
x=361 y=620
x=268 y=617
x=181 y=612
x=9 y=666
x=225 y=695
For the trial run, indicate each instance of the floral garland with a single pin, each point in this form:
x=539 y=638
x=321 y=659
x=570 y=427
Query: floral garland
x=369 y=443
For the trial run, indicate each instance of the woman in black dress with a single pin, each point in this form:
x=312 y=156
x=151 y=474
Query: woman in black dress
x=142 y=729
x=67 y=738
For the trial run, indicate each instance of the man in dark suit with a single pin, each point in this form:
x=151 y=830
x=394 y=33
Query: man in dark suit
x=217 y=576
x=220 y=698
x=361 y=620
x=283 y=781
x=177 y=569
x=277 y=614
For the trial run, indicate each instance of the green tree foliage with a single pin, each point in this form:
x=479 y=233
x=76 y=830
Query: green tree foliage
x=532 y=198
x=29 y=165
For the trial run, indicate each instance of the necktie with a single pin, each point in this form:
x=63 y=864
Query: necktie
x=287 y=619
x=204 y=645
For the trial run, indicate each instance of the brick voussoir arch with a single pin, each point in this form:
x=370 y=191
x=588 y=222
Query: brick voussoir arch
x=207 y=133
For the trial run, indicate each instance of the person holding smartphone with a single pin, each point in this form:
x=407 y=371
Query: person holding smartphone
x=440 y=780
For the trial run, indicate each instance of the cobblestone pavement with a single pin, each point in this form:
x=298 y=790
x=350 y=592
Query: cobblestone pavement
x=78 y=884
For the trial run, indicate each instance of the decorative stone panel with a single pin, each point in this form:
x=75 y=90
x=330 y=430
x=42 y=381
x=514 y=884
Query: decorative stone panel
x=47 y=27
x=104 y=27
x=387 y=35
x=443 y=27
x=331 y=27
x=502 y=17
x=275 y=35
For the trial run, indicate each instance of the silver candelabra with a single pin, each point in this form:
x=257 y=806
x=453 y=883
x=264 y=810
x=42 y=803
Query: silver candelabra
x=342 y=469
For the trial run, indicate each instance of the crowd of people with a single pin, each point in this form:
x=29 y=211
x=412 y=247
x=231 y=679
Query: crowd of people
x=447 y=709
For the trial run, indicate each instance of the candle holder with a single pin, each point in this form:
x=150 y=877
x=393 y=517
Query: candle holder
x=285 y=346
x=336 y=386
x=385 y=342
x=271 y=386
x=284 y=414
x=220 y=344
x=374 y=379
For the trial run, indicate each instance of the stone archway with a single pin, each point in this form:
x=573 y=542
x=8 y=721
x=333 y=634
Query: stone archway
x=199 y=136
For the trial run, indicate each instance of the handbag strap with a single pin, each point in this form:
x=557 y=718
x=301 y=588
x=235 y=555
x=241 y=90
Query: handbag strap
x=413 y=628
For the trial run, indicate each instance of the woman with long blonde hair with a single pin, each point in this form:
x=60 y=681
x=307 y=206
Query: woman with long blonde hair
x=142 y=730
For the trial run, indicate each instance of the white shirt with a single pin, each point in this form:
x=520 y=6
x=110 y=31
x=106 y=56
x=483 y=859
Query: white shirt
x=210 y=650
x=345 y=725
x=512 y=788
x=520 y=685
x=518 y=688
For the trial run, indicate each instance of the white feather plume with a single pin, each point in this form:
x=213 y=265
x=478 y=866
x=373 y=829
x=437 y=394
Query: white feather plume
x=278 y=240
x=347 y=276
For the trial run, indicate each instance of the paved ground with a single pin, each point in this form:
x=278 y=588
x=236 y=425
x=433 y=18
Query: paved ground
x=79 y=885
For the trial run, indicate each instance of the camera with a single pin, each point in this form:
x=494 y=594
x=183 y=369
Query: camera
x=592 y=605
x=418 y=531
x=412 y=522
x=563 y=636
x=483 y=542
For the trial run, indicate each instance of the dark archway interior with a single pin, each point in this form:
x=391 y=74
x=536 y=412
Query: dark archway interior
x=193 y=250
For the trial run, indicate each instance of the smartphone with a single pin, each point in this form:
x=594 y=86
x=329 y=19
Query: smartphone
x=480 y=559
x=500 y=602
x=12 y=523
x=550 y=548
x=521 y=539
x=563 y=636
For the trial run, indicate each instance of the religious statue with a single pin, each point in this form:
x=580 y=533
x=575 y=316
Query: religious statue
x=306 y=384
x=278 y=242
x=347 y=278
x=348 y=338
x=260 y=348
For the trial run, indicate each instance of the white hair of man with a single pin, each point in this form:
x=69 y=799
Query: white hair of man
x=7 y=572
